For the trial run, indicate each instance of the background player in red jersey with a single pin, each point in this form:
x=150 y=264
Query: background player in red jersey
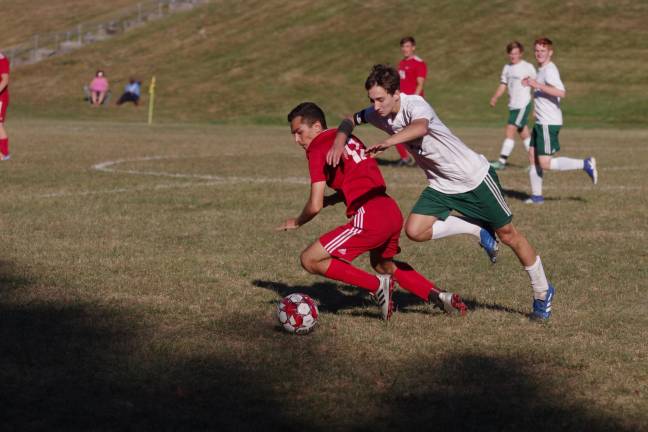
x=412 y=71
x=375 y=221
x=4 y=103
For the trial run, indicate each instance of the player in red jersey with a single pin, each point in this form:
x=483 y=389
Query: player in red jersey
x=375 y=221
x=4 y=103
x=412 y=71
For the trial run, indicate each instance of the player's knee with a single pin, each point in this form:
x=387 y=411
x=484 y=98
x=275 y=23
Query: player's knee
x=307 y=263
x=416 y=234
x=508 y=235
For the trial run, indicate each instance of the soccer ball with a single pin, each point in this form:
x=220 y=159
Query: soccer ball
x=297 y=313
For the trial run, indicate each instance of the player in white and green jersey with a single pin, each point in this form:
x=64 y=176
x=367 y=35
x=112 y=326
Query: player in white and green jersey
x=458 y=178
x=519 y=101
x=548 y=90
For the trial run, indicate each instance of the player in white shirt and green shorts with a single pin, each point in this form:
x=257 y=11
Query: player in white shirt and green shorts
x=548 y=90
x=519 y=101
x=458 y=178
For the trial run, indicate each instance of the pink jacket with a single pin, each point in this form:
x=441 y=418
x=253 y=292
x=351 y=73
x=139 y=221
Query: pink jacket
x=99 y=84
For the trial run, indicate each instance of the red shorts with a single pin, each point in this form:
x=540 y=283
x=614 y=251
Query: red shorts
x=376 y=226
x=4 y=103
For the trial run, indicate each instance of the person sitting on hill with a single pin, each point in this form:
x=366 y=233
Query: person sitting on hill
x=132 y=92
x=98 y=89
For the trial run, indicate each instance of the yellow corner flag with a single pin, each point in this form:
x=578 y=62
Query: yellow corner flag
x=151 y=100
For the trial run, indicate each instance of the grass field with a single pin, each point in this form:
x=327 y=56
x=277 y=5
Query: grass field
x=139 y=293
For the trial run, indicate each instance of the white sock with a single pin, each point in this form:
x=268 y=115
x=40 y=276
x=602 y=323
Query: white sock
x=527 y=143
x=566 y=164
x=453 y=226
x=507 y=148
x=535 y=178
x=538 y=278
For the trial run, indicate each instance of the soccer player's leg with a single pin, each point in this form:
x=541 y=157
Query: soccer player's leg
x=543 y=291
x=430 y=219
x=4 y=139
x=535 y=170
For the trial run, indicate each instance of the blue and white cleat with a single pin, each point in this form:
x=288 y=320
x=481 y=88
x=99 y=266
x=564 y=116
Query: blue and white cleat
x=542 y=308
x=534 y=199
x=590 y=168
x=488 y=241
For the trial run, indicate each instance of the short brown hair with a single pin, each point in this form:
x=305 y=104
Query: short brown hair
x=406 y=39
x=514 y=44
x=543 y=41
x=384 y=76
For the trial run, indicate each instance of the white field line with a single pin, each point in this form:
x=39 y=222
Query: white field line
x=214 y=180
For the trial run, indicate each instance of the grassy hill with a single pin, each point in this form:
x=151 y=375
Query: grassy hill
x=252 y=61
x=28 y=18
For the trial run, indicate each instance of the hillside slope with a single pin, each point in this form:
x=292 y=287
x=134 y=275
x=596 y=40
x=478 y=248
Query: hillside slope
x=27 y=18
x=252 y=61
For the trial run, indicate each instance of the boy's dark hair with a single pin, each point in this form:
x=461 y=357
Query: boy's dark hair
x=384 y=76
x=406 y=39
x=515 y=44
x=545 y=41
x=309 y=112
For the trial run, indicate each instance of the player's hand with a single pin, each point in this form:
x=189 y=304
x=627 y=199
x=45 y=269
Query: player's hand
x=376 y=149
x=493 y=102
x=289 y=224
x=336 y=152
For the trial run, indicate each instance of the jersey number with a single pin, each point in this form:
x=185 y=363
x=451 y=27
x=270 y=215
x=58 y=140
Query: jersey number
x=357 y=153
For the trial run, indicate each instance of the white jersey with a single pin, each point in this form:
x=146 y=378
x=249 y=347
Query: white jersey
x=512 y=76
x=547 y=108
x=450 y=166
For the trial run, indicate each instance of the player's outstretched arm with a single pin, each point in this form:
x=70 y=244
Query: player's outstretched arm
x=414 y=130
x=312 y=207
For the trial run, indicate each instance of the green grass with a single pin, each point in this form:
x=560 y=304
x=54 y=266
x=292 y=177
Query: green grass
x=140 y=301
x=246 y=62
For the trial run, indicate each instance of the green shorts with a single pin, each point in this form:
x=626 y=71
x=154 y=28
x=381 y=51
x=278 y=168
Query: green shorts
x=545 y=139
x=519 y=117
x=485 y=203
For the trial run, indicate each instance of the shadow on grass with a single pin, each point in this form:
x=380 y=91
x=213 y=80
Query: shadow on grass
x=11 y=278
x=81 y=368
x=332 y=298
x=522 y=196
x=471 y=392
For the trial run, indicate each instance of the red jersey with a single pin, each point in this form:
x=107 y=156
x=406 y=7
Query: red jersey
x=357 y=177
x=4 y=69
x=409 y=70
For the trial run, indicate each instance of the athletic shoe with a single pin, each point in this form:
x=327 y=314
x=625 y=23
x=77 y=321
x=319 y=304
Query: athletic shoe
x=5 y=158
x=384 y=295
x=542 y=308
x=488 y=241
x=448 y=302
x=590 y=168
x=534 y=199
x=497 y=165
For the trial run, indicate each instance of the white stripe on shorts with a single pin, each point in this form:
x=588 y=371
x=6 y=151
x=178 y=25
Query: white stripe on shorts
x=497 y=194
x=518 y=119
x=341 y=239
x=358 y=223
x=547 y=139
